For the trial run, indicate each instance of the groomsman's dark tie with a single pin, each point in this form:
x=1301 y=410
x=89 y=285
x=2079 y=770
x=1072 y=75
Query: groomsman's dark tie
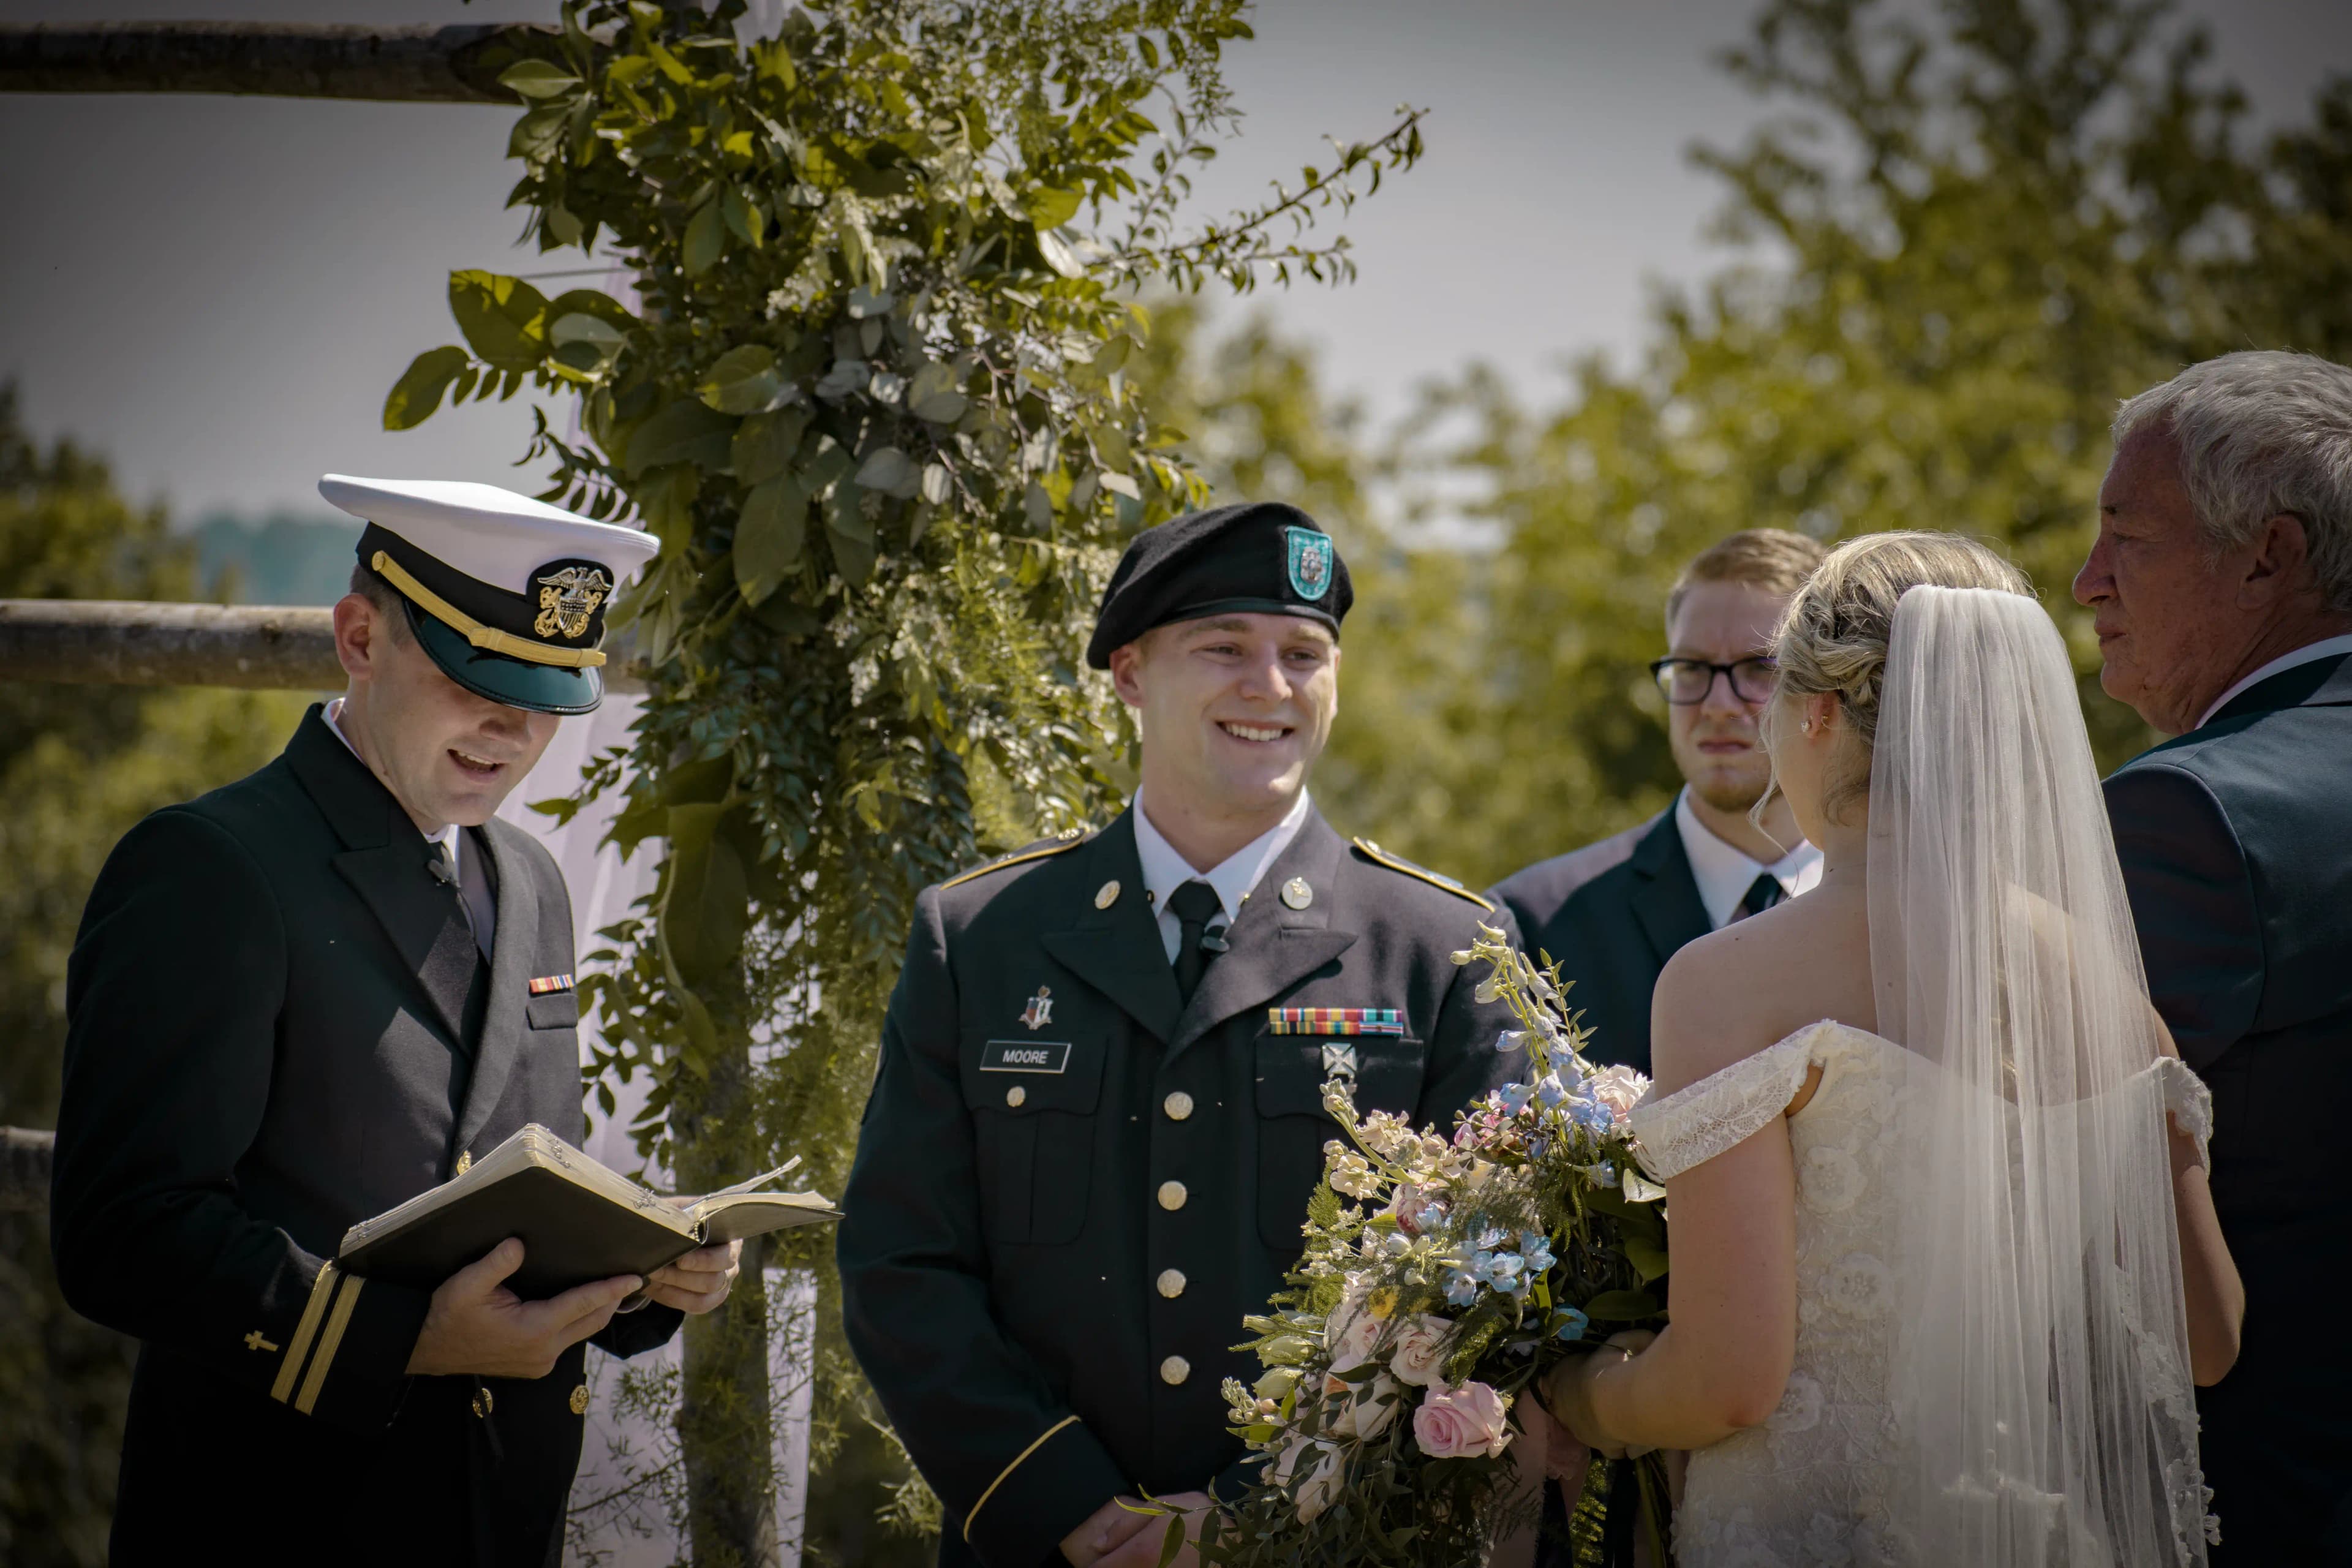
x=1194 y=905
x=1762 y=894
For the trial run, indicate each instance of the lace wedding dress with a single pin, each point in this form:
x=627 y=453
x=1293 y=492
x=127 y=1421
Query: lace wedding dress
x=1819 y=1482
x=1992 y=1343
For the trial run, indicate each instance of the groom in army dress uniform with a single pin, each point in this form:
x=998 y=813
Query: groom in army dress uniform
x=311 y=995
x=1099 y=1114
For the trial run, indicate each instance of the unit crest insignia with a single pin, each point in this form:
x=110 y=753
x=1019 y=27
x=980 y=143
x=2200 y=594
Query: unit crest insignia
x=1040 y=1010
x=566 y=600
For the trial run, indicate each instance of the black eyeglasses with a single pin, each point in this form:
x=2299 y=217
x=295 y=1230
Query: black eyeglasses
x=1686 y=681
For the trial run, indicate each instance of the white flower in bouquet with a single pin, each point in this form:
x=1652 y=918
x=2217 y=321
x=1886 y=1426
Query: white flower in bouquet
x=1420 y=1350
x=1320 y=1487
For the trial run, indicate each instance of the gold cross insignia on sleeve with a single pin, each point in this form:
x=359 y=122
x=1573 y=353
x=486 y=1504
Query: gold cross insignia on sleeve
x=255 y=1341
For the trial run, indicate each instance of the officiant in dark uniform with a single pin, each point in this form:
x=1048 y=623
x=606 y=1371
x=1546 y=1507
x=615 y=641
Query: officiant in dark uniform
x=2221 y=592
x=1612 y=913
x=310 y=995
x=1098 y=1114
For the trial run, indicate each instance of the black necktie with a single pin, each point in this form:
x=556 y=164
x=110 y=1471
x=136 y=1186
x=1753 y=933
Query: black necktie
x=1194 y=905
x=1762 y=894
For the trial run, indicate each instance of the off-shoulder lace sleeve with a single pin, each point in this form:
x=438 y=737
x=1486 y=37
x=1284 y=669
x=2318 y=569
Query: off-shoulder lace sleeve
x=2190 y=1103
x=1693 y=1125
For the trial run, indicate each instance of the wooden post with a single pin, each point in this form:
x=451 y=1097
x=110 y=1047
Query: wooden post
x=459 y=64
x=124 y=642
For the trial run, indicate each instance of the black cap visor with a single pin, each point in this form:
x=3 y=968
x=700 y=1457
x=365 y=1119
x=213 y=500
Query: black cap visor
x=515 y=682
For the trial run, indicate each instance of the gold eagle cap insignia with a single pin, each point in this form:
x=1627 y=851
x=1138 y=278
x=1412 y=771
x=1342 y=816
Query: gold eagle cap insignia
x=567 y=599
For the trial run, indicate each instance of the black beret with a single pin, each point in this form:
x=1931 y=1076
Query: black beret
x=1261 y=556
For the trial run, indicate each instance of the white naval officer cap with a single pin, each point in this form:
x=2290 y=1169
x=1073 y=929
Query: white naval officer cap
x=507 y=594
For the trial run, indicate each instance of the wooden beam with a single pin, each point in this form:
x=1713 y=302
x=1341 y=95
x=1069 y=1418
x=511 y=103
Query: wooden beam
x=129 y=642
x=457 y=64
x=26 y=1159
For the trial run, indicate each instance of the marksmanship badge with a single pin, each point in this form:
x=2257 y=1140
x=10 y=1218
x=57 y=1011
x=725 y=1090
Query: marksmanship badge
x=1310 y=562
x=567 y=598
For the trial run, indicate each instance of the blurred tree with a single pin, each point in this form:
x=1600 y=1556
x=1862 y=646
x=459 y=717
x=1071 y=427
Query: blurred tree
x=1979 y=230
x=79 y=764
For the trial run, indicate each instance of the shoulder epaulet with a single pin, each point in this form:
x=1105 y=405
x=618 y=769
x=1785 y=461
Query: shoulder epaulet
x=1372 y=851
x=1068 y=838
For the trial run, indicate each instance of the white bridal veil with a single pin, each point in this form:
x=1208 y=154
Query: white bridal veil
x=2041 y=1380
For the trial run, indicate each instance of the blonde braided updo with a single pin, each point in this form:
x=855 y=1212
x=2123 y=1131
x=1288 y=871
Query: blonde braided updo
x=1832 y=637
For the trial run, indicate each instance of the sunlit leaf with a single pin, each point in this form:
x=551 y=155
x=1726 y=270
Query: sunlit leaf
x=418 y=392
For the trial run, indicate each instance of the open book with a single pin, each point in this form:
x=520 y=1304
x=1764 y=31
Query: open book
x=578 y=1219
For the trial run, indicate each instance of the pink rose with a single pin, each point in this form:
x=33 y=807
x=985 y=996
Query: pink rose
x=1360 y=1410
x=1460 y=1423
x=1420 y=1350
x=1350 y=1332
x=1620 y=1088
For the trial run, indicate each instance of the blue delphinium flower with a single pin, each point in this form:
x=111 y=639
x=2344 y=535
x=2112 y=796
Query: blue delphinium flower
x=1461 y=1287
x=1491 y=1238
x=1550 y=1091
x=1536 y=1249
x=1513 y=1097
x=1572 y=1328
x=1429 y=1217
x=1590 y=1115
x=1504 y=1271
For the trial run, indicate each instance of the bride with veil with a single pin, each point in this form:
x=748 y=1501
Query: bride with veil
x=1945 y=1262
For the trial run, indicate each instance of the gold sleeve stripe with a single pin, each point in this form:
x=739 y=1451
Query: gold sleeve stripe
x=1025 y=854
x=329 y=1343
x=323 y=1289
x=1374 y=852
x=480 y=635
x=1017 y=1462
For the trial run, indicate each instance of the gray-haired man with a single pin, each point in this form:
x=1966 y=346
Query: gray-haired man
x=2223 y=585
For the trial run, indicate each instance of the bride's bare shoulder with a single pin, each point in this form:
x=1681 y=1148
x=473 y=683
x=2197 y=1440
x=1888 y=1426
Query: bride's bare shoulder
x=1737 y=991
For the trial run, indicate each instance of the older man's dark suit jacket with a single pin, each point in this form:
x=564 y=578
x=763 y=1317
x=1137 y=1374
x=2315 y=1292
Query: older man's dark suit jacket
x=278 y=1025
x=2236 y=843
x=1612 y=913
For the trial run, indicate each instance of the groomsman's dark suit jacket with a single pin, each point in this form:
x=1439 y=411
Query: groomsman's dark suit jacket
x=1612 y=913
x=279 y=1025
x=1071 y=1185
x=2236 y=843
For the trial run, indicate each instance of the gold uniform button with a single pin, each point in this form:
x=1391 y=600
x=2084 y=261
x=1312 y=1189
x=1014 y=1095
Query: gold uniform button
x=580 y=1400
x=1177 y=1106
x=1171 y=1283
x=1172 y=1195
x=464 y=1164
x=1175 y=1370
x=484 y=1403
x=1015 y=1095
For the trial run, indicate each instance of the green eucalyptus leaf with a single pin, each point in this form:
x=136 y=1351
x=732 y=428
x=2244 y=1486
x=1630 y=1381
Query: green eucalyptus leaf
x=746 y=380
x=686 y=431
x=771 y=534
x=537 y=78
x=706 y=238
x=417 y=393
x=504 y=319
x=890 y=471
x=933 y=394
x=765 y=445
x=1621 y=1307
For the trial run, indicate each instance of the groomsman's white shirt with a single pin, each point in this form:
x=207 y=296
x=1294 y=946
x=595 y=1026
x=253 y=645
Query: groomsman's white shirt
x=1724 y=874
x=1165 y=871
x=2326 y=647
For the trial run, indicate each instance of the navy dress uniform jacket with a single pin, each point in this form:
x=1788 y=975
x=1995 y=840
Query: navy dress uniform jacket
x=2236 y=844
x=1612 y=913
x=1044 y=1269
x=279 y=1025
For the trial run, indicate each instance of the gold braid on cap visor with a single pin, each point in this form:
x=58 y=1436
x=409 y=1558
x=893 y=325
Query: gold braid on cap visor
x=480 y=635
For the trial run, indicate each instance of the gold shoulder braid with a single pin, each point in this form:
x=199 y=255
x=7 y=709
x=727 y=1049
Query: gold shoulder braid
x=1068 y=838
x=1373 y=852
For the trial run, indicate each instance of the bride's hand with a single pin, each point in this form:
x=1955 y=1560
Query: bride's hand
x=1568 y=1391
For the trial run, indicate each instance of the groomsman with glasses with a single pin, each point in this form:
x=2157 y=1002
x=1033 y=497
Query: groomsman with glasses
x=1612 y=913
x=1099 y=1110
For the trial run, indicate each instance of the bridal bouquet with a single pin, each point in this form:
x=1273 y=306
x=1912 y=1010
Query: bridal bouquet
x=1441 y=1279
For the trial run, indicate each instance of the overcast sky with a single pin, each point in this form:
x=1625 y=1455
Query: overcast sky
x=217 y=292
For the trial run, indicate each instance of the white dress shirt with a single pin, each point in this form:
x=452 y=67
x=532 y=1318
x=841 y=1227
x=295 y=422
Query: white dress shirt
x=1165 y=871
x=2326 y=647
x=1724 y=872
x=480 y=903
